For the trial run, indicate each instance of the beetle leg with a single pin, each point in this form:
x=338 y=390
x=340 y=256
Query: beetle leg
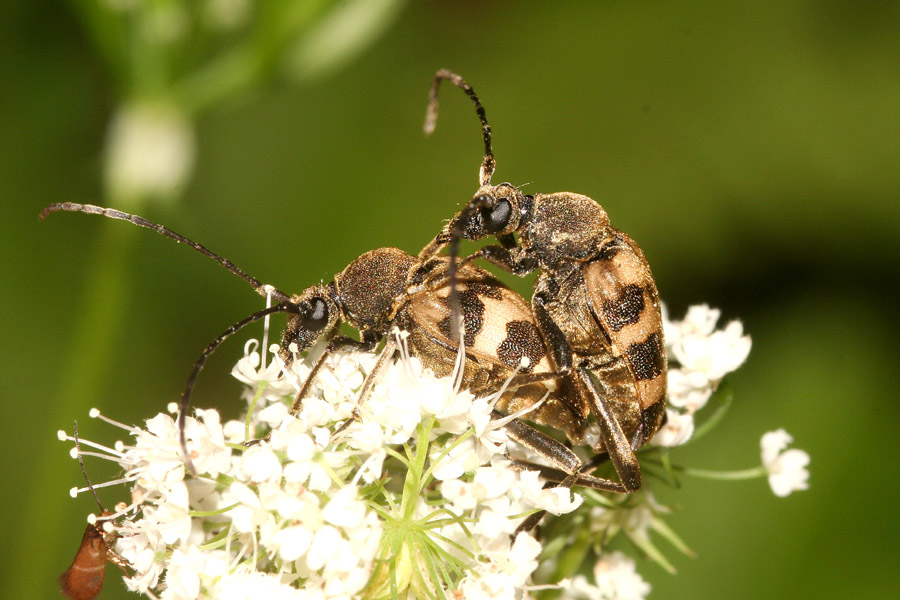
x=513 y=259
x=335 y=344
x=386 y=354
x=559 y=477
x=621 y=454
x=560 y=455
x=571 y=468
x=557 y=343
x=617 y=445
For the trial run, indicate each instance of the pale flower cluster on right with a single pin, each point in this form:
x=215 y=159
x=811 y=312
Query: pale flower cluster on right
x=704 y=355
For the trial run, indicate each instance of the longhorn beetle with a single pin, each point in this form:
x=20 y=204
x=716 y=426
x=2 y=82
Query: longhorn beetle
x=387 y=288
x=595 y=299
x=83 y=580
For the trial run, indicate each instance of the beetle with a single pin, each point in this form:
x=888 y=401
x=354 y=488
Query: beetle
x=83 y=580
x=595 y=299
x=387 y=288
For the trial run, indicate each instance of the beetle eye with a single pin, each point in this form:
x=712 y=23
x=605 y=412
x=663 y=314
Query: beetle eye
x=496 y=218
x=317 y=317
x=482 y=201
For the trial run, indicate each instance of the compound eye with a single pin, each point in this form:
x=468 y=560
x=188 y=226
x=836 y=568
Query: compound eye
x=483 y=201
x=317 y=317
x=496 y=217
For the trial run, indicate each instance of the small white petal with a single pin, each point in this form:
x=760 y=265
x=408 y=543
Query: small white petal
x=616 y=577
x=345 y=509
x=325 y=545
x=678 y=429
x=786 y=468
x=259 y=463
x=789 y=474
x=772 y=443
x=292 y=542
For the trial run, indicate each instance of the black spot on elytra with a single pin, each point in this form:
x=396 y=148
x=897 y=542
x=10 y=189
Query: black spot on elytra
x=472 y=314
x=626 y=308
x=647 y=358
x=522 y=339
x=486 y=290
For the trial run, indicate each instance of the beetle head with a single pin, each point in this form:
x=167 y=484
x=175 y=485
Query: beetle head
x=493 y=211
x=316 y=314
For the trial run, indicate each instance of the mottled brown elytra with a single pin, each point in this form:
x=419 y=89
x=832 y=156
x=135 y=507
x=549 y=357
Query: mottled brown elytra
x=83 y=580
x=387 y=288
x=595 y=300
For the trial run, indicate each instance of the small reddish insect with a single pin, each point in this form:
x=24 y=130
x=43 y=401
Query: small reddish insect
x=83 y=580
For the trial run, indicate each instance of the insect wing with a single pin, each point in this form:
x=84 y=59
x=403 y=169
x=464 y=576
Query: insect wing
x=626 y=303
x=84 y=578
x=499 y=327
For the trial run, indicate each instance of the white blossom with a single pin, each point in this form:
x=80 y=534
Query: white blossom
x=697 y=346
x=292 y=514
x=786 y=468
x=150 y=151
x=704 y=355
x=250 y=585
x=615 y=578
x=678 y=429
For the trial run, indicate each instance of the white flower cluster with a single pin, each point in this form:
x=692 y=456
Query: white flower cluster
x=307 y=514
x=704 y=356
x=786 y=468
x=416 y=498
x=616 y=579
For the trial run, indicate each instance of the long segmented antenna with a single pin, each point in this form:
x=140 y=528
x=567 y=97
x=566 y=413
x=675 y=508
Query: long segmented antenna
x=83 y=580
x=455 y=229
x=83 y=469
x=264 y=290
x=198 y=366
x=261 y=288
x=488 y=164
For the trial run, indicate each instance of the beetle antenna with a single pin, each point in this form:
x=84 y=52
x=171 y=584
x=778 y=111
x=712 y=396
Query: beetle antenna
x=455 y=234
x=488 y=164
x=207 y=352
x=83 y=469
x=261 y=288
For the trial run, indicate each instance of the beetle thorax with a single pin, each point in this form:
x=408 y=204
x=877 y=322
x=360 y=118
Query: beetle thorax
x=367 y=289
x=564 y=227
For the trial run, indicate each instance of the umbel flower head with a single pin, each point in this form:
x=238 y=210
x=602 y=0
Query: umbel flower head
x=418 y=498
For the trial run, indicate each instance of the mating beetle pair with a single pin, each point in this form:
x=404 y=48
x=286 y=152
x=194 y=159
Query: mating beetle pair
x=593 y=331
x=595 y=300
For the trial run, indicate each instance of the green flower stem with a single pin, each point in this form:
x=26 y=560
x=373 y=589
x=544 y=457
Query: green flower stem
x=259 y=391
x=220 y=540
x=721 y=399
x=753 y=473
x=212 y=513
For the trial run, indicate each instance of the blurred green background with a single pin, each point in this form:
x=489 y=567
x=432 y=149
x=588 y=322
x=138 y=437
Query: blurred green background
x=753 y=150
